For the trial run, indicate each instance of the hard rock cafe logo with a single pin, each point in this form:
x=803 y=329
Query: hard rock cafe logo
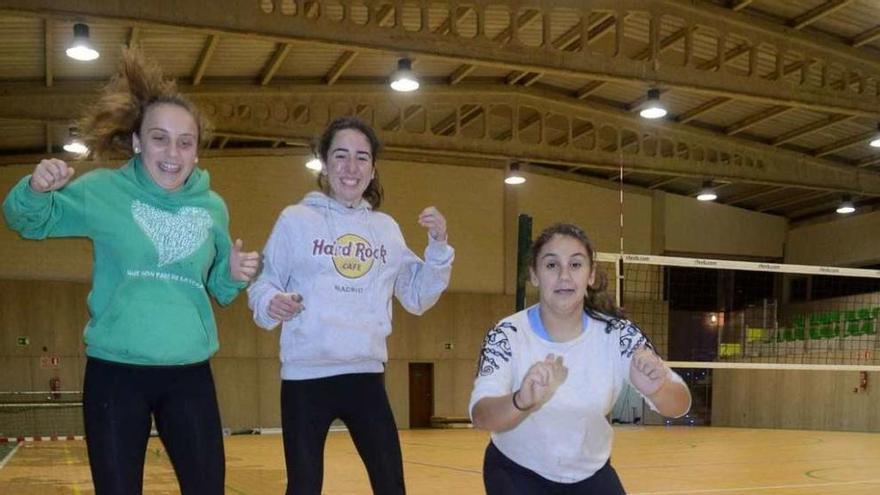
x=353 y=256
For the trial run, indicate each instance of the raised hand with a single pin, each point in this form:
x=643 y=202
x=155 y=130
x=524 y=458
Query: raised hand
x=285 y=305
x=435 y=222
x=50 y=175
x=541 y=382
x=243 y=267
x=647 y=372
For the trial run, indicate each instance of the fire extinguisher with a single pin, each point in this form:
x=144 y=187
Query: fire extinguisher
x=55 y=387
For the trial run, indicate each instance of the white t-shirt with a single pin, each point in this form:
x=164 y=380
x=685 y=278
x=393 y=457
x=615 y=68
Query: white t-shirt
x=569 y=438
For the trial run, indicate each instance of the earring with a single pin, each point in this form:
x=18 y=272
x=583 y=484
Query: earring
x=137 y=149
x=196 y=160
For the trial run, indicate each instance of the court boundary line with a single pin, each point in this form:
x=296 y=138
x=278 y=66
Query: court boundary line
x=10 y=455
x=444 y=466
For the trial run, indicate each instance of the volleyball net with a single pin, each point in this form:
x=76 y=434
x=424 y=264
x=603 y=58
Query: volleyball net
x=31 y=414
x=711 y=313
x=753 y=338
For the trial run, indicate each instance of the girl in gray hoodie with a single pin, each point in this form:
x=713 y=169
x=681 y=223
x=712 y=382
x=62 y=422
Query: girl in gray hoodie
x=336 y=255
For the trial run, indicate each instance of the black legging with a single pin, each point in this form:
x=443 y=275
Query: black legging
x=118 y=401
x=503 y=476
x=308 y=407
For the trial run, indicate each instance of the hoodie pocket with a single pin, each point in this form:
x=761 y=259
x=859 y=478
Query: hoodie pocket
x=340 y=336
x=147 y=330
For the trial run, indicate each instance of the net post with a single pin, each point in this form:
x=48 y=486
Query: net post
x=618 y=289
x=523 y=242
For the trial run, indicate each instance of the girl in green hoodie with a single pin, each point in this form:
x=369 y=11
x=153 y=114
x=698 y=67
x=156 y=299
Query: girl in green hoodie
x=161 y=246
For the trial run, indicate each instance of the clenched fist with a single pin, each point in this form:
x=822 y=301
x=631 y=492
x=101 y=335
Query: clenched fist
x=647 y=372
x=50 y=175
x=435 y=222
x=285 y=305
x=541 y=382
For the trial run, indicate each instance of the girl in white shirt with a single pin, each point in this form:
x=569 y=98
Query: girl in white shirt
x=549 y=375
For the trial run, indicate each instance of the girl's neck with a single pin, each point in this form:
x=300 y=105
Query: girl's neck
x=562 y=326
x=345 y=203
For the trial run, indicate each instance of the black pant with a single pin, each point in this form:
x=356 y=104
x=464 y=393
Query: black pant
x=308 y=407
x=502 y=476
x=118 y=401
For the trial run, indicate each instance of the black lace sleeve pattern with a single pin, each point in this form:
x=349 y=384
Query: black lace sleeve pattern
x=496 y=349
x=631 y=336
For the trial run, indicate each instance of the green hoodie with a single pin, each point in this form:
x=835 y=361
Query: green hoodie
x=155 y=253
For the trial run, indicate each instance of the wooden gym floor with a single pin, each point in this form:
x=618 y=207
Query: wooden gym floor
x=650 y=460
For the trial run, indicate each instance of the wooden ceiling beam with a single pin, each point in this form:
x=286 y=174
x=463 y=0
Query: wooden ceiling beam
x=738 y=5
x=234 y=18
x=446 y=126
x=575 y=134
x=48 y=61
x=569 y=41
x=868 y=162
x=813 y=195
x=663 y=182
x=755 y=119
x=525 y=20
x=701 y=109
x=810 y=128
x=718 y=62
x=205 y=58
x=865 y=37
x=818 y=12
x=275 y=63
x=342 y=63
x=843 y=144
x=755 y=195
x=697 y=152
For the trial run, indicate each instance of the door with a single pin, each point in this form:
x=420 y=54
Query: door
x=421 y=394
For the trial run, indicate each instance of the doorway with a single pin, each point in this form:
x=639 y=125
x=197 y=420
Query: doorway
x=421 y=394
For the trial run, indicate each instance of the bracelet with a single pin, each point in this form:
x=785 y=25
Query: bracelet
x=513 y=399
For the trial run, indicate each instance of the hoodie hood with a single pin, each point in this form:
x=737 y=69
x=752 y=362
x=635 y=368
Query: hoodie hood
x=317 y=199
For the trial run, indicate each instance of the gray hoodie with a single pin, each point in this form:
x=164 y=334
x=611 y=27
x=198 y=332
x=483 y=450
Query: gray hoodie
x=346 y=263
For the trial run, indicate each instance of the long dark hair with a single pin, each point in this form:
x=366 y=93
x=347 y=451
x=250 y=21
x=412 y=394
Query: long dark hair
x=597 y=300
x=374 y=192
x=107 y=126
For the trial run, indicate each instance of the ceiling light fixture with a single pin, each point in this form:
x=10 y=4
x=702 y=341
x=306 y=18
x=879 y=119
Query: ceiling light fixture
x=403 y=79
x=652 y=108
x=707 y=193
x=876 y=141
x=314 y=164
x=74 y=144
x=81 y=47
x=513 y=175
x=846 y=206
